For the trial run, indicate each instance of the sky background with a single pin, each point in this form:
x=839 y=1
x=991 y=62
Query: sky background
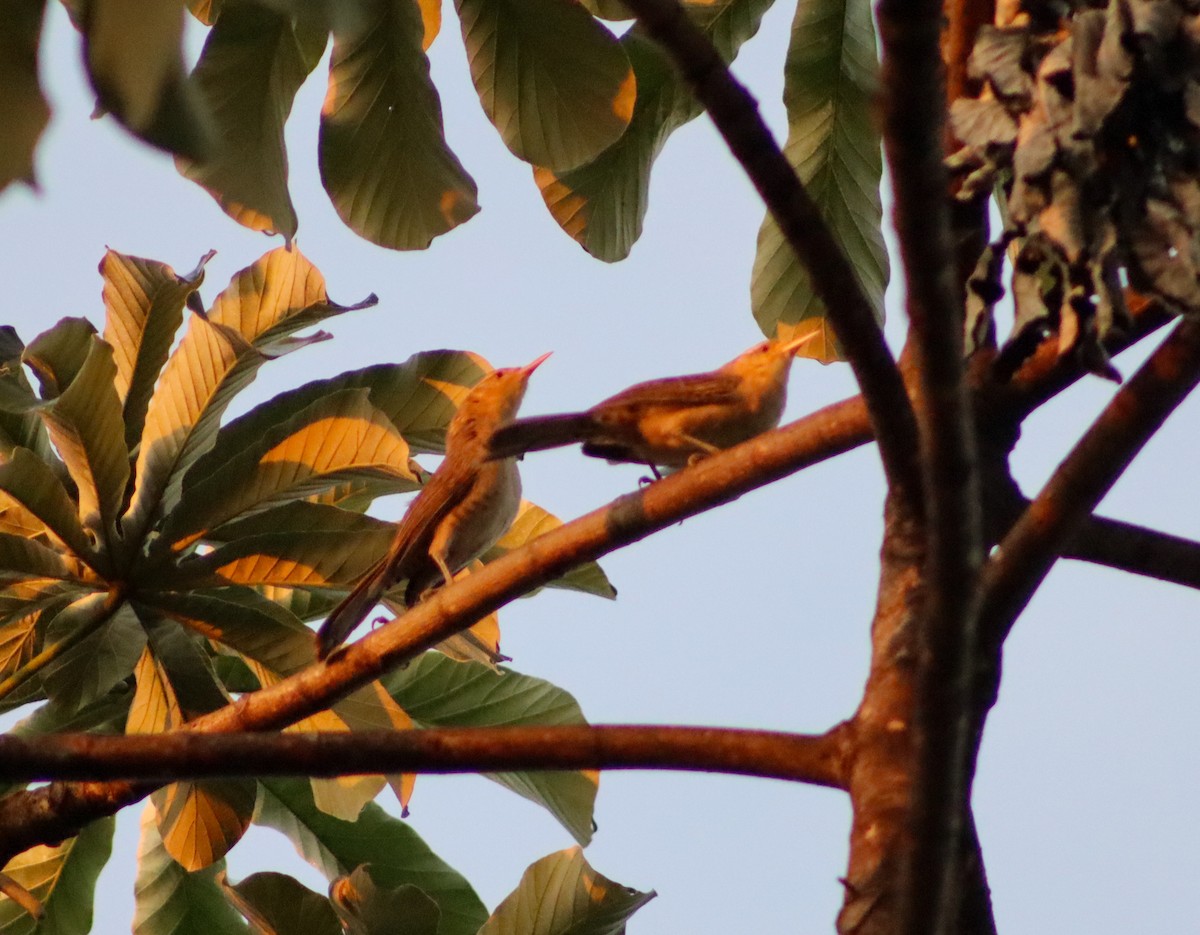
x=754 y=615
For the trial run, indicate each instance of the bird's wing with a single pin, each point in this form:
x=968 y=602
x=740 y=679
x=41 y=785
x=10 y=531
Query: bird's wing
x=449 y=484
x=700 y=389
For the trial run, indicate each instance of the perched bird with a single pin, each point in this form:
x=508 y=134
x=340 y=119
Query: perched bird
x=669 y=422
x=460 y=513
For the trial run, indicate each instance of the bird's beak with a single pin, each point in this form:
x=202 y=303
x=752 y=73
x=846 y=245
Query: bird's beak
x=796 y=343
x=529 y=368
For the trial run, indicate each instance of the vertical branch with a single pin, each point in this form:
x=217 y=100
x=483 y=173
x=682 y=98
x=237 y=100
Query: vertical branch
x=735 y=115
x=914 y=123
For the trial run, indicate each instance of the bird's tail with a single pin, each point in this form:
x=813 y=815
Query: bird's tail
x=541 y=432
x=352 y=610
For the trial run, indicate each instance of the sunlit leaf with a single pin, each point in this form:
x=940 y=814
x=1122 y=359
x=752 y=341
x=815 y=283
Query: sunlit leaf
x=438 y=692
x=200 y=821
x=372 y=708
x=63 y=879
x=602 y=203
x=553 y=80
x=334 y=549
x=254 y=60
x=154 y=708
x=383 y=154
x=367 y=909
x=833 y=141
x=85 y=425
x=218 y=356
x=143 y=303
x=393 y=850
x=104 y=651
x=277 y=904
x=562 y=895
x=171 y=901
x=133 y=54
x=532 y=521
x=24 y=111
x=291 y=458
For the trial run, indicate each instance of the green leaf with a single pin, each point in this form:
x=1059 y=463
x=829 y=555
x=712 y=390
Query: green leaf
x=242 y=619
x=105 y=715
x=277 y=904
x=553 y=80
x=382 y=150
x=171 y=901
x=332 y=440
x=439 y=692
x=532 y=521
x=143 y=303
x=395 y=852
x=86 y=427
x=187 y=661
x=253 y=63
x=63 y=878
x=218 y=356
x=58 y=354
x=133 y=50
x=562 y=895
x=97 y=662
x=602 y=203
x=27 y=480
x=23 y=559
x=829 y=85
x=367 y=909
x=20 y=426
x=24 y=111
x=298 y=544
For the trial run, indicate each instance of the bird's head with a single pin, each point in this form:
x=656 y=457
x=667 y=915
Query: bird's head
x=767 y=360
x=495 y=399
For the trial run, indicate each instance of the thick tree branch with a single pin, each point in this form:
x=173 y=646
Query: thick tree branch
x=59 y=810
x=736 y=116
x=1135 y=413
x=818 y=760
x=914 y=118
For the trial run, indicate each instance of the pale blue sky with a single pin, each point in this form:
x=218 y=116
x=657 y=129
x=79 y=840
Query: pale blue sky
x=754 y=615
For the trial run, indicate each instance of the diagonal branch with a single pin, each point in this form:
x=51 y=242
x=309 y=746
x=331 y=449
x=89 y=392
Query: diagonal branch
x=816 y=759
x=1135 y=413
x=60 y=809
x=736 y=116
x=914 y=118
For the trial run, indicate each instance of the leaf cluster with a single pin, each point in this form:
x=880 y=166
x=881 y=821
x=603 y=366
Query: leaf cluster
x=155 y=564
x=1088 y=124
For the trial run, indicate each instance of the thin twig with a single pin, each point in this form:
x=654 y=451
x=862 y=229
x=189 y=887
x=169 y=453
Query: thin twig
x=1136 y=549
x=160 y=758
x=735 y=114
x=1135 y=413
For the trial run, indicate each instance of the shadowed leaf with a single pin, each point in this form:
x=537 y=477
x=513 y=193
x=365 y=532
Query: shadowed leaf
x=555 y=82
x=28 y=482
x=532 y=521
x=562 y=895
x=254 y=60
x=105 y=655
x=277 y=904
x=602 y=203
x=829 y=82
x=438 y=692
x=383 y=155
x=394 y=851
x=367 y=909
x=24 y=111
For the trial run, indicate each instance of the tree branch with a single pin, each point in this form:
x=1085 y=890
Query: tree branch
x=1135 y=413
x=735 y=115
x=1136 y=549
x=59 y=810
x=914 y=119
x=160 y=758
